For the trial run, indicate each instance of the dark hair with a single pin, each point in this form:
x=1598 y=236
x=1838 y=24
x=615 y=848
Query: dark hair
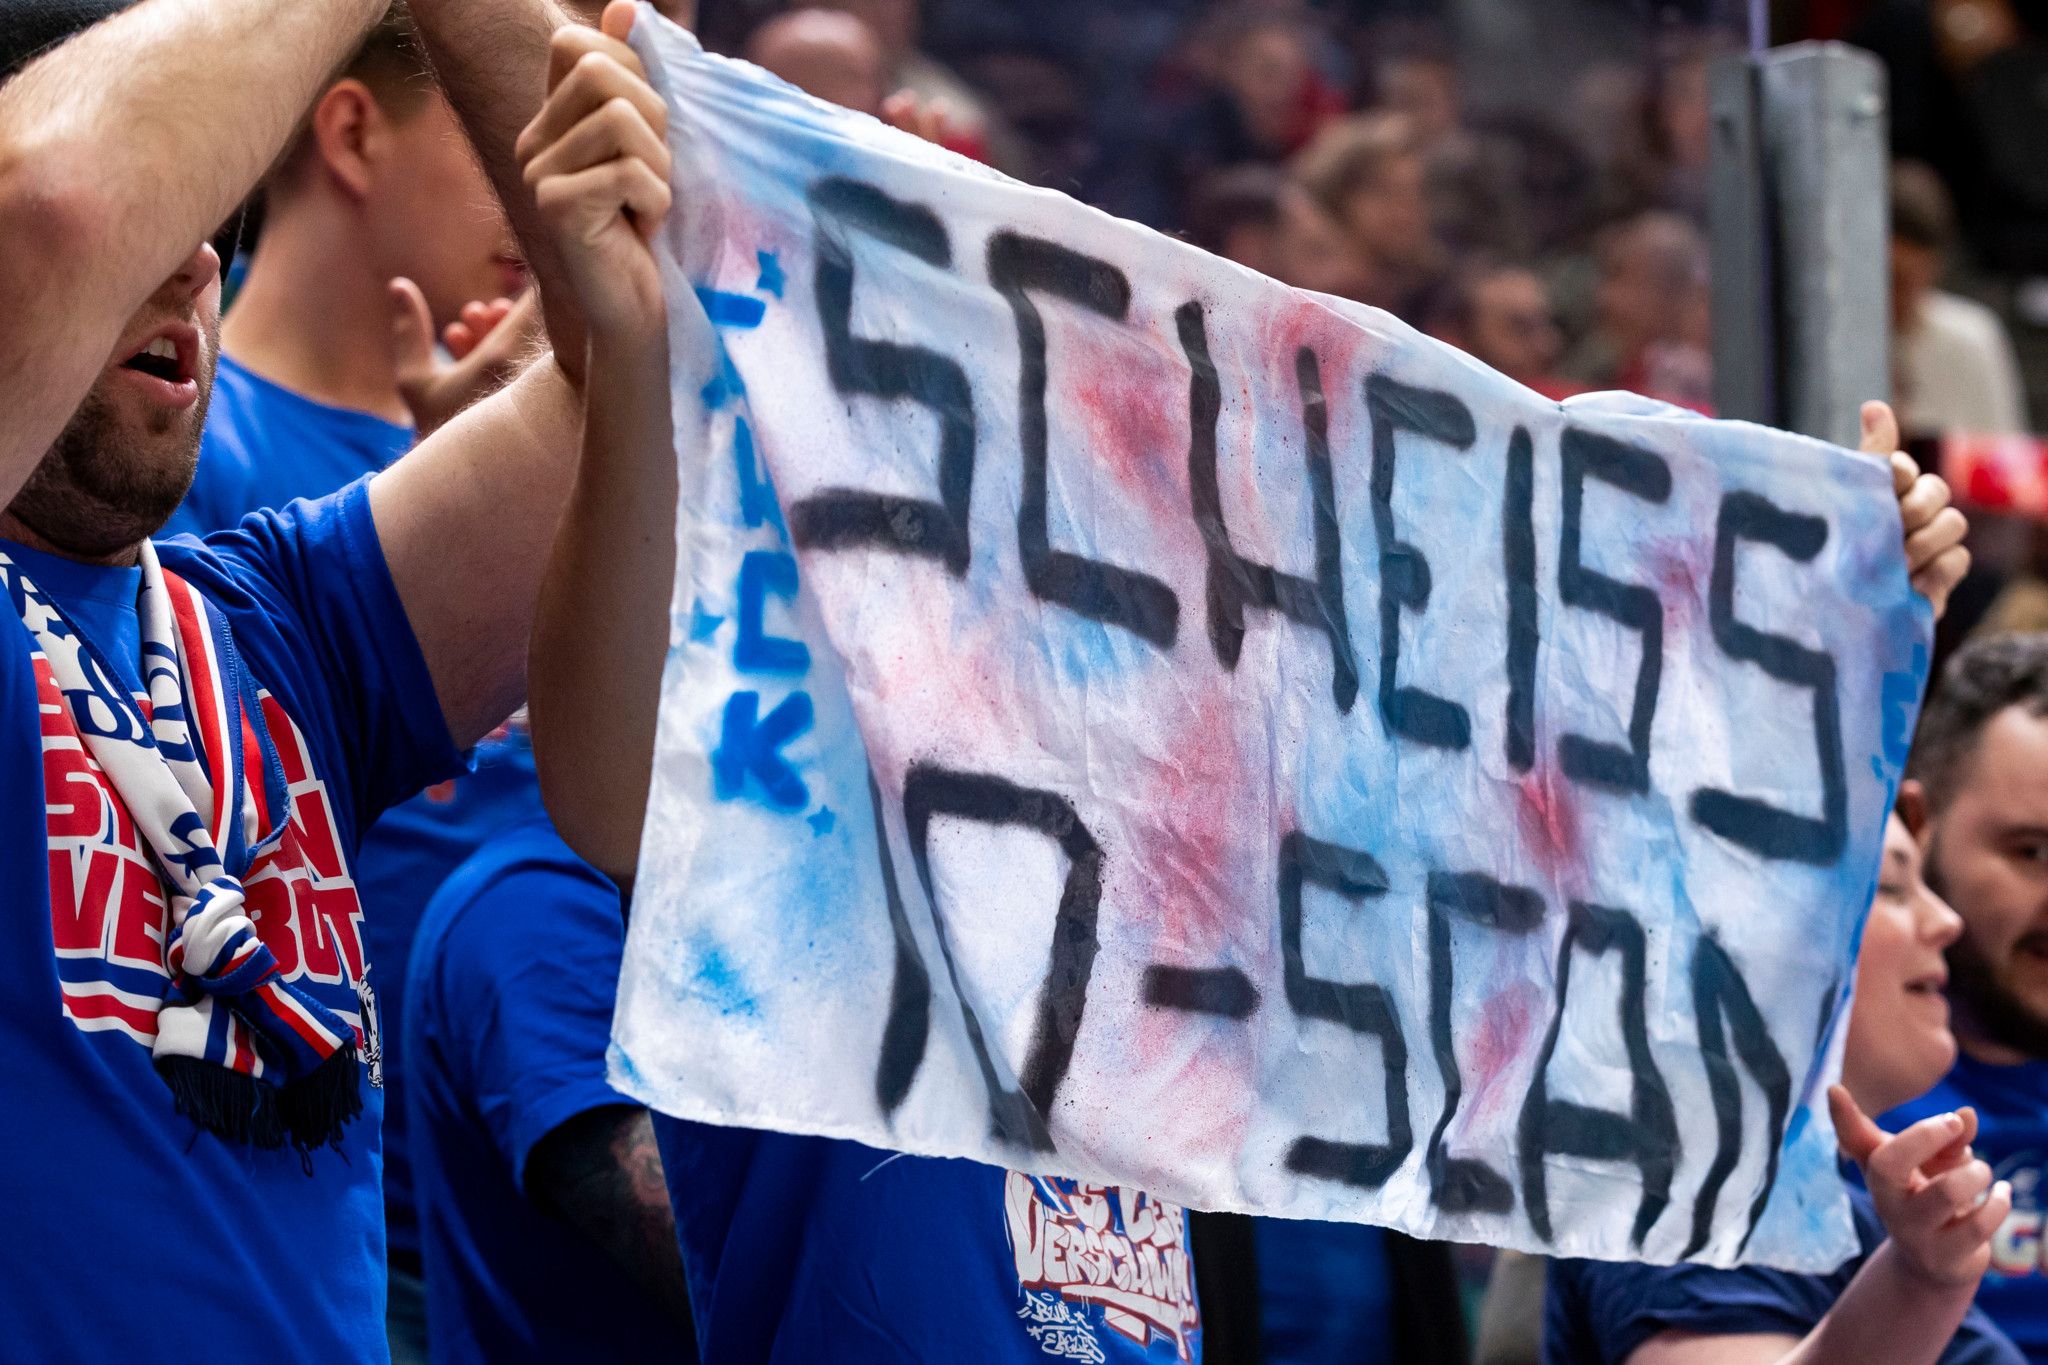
x=1239 y=196
x=1987 y=676
x=1922 y=212
x=391 y=62
x=1452 y=303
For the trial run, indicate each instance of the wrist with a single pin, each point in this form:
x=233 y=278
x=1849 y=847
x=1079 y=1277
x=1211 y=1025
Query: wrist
x=1931 y=1284
x=636 y=345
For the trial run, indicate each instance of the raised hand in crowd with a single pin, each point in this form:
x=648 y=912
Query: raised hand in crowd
x=597 y=163
x=1936 y=1198
x=1936 y=558
x=920 y=117
x=486 y=346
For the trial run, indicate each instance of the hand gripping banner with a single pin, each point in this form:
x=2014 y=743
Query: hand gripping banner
x=1130 y=720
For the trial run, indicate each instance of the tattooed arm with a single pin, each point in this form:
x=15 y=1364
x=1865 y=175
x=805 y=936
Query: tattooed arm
x=601 y=1173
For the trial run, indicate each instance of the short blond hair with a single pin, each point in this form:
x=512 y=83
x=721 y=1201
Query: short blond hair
x=1352 y=154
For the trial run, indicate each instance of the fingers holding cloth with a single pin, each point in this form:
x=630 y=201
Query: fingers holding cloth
x=596 y=161
x=1936 y=559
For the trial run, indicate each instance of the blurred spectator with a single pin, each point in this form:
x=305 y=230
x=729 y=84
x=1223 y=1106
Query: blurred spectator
x=1256 y=216
x=1267 y=99
x=1242 y=87
x=1501 y=316
x=974 y=128
x=1952 y=362
x=1651 y=331
x=1661 y=163
x=1236 y=214
x=545 y=1223
x=1044 y=104
x=1472 y=175
x=1368 y=173
x=825 y=53
x=380 y=183
x=1419 y=81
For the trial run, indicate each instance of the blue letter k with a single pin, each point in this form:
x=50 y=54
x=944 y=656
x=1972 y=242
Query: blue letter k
x=747 y=743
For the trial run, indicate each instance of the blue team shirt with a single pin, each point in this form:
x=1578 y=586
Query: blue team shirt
x=140 y=1234
x=263 y=446
x=1600 y=1312
x=405 y=856
x=1326 y=1293
x=805 y=1249
x=2012 y=1134
x=508 y=1015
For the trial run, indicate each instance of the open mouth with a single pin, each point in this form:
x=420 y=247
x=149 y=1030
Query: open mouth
x=1932 y=985
x=161 y=359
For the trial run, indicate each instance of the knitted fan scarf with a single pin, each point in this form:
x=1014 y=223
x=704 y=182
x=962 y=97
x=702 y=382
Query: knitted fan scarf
x=246 y=1054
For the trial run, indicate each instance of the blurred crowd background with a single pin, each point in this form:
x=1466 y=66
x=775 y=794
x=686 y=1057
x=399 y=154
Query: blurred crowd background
x=1527 y=181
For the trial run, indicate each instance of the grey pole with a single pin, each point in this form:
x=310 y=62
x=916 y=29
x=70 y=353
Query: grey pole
x=1798 y=219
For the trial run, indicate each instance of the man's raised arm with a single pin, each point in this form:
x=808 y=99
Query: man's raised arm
x=492 y=62
x=119 y=152
x=466 y=520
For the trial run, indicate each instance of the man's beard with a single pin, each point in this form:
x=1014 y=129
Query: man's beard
x=1989 y=1006
x=101 y=489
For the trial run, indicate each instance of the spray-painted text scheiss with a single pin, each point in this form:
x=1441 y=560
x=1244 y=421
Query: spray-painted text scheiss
x=1135 y=722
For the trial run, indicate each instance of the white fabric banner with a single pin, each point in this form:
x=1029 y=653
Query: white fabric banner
x=1130 y=720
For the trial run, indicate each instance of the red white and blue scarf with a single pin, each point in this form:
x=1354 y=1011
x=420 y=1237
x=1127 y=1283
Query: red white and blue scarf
x=246 y=1054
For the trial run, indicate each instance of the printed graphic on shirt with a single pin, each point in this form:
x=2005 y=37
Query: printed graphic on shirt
x=108 y=913
x=1095 y=1260
x=2016 y=1248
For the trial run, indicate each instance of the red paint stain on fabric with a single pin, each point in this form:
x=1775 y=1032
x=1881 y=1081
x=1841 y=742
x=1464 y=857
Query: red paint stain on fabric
x=1134 y=405
x=1681 y=581
x=1499 y=1037
x=1193 y=851
x=1549 y=819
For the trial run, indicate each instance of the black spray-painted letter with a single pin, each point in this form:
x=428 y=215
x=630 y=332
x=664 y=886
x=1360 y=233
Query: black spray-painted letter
x=1465 y=1184
x=1394 y=407
x=1648 y=1133
x=1362 y=1008
x=1756 y=825
x=1017 y=267
x=1236 y=582
x=843 y=517
x=1718 y=992
x=1020 y=1115
x=1646 y=476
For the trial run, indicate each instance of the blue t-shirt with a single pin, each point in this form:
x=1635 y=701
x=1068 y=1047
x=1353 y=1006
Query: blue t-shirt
x=1599 y=1312
x=508 y=1015
x=803 y=1249
x=138 y=1230
x=2012 y=1134
x=405 y=856
x=1326 y=1293
x=263 y=446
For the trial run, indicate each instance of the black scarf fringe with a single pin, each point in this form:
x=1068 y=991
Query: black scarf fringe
x=309 y=1113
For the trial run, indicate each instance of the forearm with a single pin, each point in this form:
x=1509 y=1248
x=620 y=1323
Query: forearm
x=601 y=1173
x=492 y=61
x=466 y=521
x=1887 y=1313
x=120 y=152
x=601 y=635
